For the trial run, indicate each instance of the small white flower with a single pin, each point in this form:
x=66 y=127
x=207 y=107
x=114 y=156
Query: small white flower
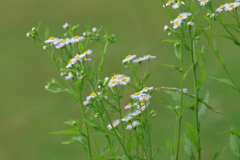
x=70 y=63
x=165 y=28
x=28 y=34
x=221 y=8
x=92 y=95
x=63 y=43
x=115 y=123
x=136 y=113
x=136 y=95
x=69 y=76
x=128 y=58
x=138 y=60
x=76 y=39
x=169 y=2
x=112 y=83
x=117 y=76
x=50 y=40
x=203 y=2
x=65 y=26
x=178 y=4
x=133 y=125
x=144 y=97
x=127 y=118
x=183 y=16
x=88 y=52
x=190 y=23
x=231 y=6
x=146 y=89
x=94 y=29
x=86 y=102
x=44 y=47
x=87 y=59
x=124 y=80
x=78 y=57
x=149 y=57
x=129 y=105
x=176 y=23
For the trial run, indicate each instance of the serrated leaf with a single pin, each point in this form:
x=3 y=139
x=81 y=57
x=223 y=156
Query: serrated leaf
x=227 y=37
x=91 y=123
x=233 y=132
x=67 y=132
x=172 y=66
x=192 y=135
x=77 y=139
x=188 y=148
x=169 y=145
x=102 y=132
x=99 y=158
x=224 y=80
x=168 y=105
x=158 y=152
x=218 y=154
x=234 y=146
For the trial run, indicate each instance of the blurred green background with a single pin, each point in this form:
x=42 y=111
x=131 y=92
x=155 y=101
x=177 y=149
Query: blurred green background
x=28 y=112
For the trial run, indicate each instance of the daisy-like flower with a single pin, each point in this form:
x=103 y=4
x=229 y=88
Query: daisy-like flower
x=124 y=80
x=88 y=52
x=221 y=8
x=127 y=118
x=144 y=97
x=168 y=3
x=136 y=95
x=69 y=76
x=76 y=39
x=146 y=89
x=203 y=2
x=94 y=29
x=176 y=23
x=63 y=43
x=87 y=59
x=183 y=15
x=78 y=57
x=178 y=4
x=117 y=76
x=86 y=102
x=128 y=58
x=136 y=113
x=190 y=23
x=92 y=95
x=129 y=105
x=165 y=28
x=51 y=40
x=133 y=125
x=70 y=63
x=112 y=83
x=138 y=60
x=149 y=57
x=115 y=123
x=65 y=26
x=231 y=6
x=143 y=106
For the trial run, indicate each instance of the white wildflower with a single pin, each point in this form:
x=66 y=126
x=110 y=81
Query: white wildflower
x=133 y=125
x=178 y=4
x=69 y=76
x=70 y=63
x=129 y=105
x=124 y=80
x=115 y=123
x=138 y=60
x=221 y=8
x=146 y=89
x=128 y=58
x=65 y=26
x=190 y=23
x=165 y=28
x=127 y=118
x=63 y=43
x=144 y=97
x=135 y=95
x=183 y=16
x=148 y=57
x=231 y=6
x=94 y=29
x=88 y=52
x=113 y=82
x=176 y=23
x=203 y=2
x=76 y=39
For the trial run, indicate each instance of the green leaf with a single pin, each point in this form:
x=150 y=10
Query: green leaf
x=71 y=131
x=133 y=86
x=169 y=40
x=202 y=109
x=146 y=77
x=192 y=135
x=135 y=77
x=102 y=132
x=130 y=144
x=99 y=158
x=91 y=123
x=234 y=146
x=224 y=80
x=177 y=52
x=158 y=152
x=188 y=148
x=233 y=132
x=172 y=66
x=47 y=32
x=77 y=139
x=105 y=149
x=218 y=154
x=169 y=145
x=168 y=105
x=227 y=37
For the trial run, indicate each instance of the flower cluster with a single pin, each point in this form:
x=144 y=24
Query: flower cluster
x=79 y=58
x=59 y=43
x=138 y=60
x=203 y=2
x=141 y=101
x=173 y=4
x=117 y=79
x=228 y=6
x=179 y=20
x=93 y=96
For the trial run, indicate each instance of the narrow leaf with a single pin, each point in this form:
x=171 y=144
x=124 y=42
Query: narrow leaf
x=67 y=132
x=158 y=152
x=172 y=66
x=192 y=135
x=188 y=148
x=218 y=154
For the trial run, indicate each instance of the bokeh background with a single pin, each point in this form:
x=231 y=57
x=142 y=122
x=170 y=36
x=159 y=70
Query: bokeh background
x=28 y=112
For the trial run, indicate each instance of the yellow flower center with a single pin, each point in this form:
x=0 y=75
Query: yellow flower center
x=113 y=82
x=178 y=3
x=70 y=62
x=176 y=23
x=128 y=56
x=170 y=1
x=222 y=6
x=148 y=55
x=128 y=119
x=231 y=5
x=137 y=93
x=144 y=99
x=77 y=57
x=85 y=52
x=145 y=88
x=114 y=77
x=142 y=104
x=123 y=79
x=129 y=104
x=76 y=37
x=114 y=125
x=117 y=74
x=63 y=41
x=51 y=38
x=180 y=16
x=92 y=94
x=204 y=0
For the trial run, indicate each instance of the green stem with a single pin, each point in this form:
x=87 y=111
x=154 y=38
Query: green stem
x=85 y=124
